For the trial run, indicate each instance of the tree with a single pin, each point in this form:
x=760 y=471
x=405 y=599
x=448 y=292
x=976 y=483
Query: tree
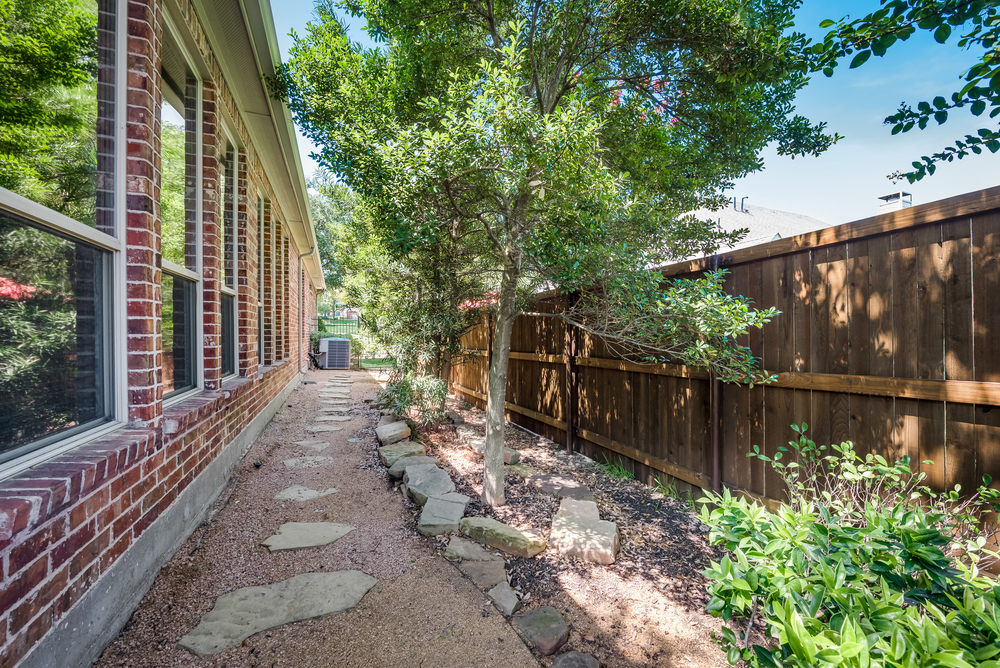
x=332 y=204
x=896 y=21
x=561 y=144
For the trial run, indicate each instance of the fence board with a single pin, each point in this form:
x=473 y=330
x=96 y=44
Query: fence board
x=887 y=337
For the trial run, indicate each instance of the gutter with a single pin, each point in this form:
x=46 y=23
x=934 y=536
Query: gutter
x=302 y=301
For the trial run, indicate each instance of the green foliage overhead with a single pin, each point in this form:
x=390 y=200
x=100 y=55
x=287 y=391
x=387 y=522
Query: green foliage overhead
x=977 y=27
x=558 y=144
x=332 y=205
x=863 y=567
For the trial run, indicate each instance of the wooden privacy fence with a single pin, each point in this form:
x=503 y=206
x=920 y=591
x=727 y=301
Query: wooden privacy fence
x=889 y=337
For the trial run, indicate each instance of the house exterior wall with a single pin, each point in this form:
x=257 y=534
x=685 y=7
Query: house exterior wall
x=71 y=520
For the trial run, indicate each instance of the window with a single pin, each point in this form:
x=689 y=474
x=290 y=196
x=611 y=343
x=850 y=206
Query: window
x=179 y=215
x=58 y=223
x=179 y=334
x=229 y=198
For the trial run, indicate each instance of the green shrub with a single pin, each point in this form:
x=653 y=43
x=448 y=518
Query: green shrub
x=424 y=394
x=864 y=566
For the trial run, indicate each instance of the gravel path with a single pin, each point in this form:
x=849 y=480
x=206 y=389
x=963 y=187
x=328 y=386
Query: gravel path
x=422 y=613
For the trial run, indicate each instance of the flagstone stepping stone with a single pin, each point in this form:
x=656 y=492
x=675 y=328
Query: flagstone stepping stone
x=455 y=417
x=466 y=432
x=313 y=444
x=336 y=402
x=521 y=470
x=388 y=454
x=329 y=410
x=502 y=537
x=576 y=660
x=298 y=535
x=301 y=493
x=485 y=574
x=331 y=418
x=504 y=598
x=244 y=612
x=442 y=514
x=307 y=462
x=426 y=480
x=584 y=538
x=585 y=509
x=389 y=419
x=544 y=628
x=560 y=486
x=390 y=433
x=399 y=466
x=322 y=428
x=467 y=550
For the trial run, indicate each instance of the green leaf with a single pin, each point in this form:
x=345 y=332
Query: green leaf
x=978 y=107
x=861 y=59
x=942 y=33
x=826 y=23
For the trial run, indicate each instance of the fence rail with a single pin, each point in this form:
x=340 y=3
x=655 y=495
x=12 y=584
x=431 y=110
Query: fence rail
x=889 y=337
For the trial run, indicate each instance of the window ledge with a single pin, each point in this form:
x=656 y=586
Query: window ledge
x=32 y=497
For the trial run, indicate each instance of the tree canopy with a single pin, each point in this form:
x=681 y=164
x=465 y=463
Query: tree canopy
x=560 y=145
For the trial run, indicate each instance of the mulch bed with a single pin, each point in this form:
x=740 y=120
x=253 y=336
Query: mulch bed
x=647 y=609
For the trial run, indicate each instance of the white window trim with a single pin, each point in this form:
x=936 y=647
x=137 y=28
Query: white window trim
x=229 y=137
x=117 y=334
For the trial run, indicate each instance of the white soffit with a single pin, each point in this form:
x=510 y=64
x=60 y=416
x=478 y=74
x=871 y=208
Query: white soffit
x=243 y=40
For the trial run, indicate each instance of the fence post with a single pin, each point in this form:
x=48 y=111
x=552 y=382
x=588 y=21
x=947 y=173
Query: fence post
x=569 y=352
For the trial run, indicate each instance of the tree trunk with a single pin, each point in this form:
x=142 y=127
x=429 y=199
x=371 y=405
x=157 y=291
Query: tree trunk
x=493 y=492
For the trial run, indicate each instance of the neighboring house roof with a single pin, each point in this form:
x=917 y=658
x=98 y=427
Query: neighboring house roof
x=764 y=224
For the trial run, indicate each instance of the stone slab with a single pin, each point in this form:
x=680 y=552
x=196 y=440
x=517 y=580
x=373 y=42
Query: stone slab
x=585 y=538
x=331 y=418
x=502 y=537
x=576 y=508
x=544 y=628
x=466 y=432
x=576 y=660
x=510 y=455
x=456 y=417
x=307 y=462
x=504 y=599
x=313 y=444
x=391 y=433
x=389 y=419
x=239 y=614
x=322 y=428
x=521 y=470
x=442 y=514
x=485 y=574
x=336 y=402
x=399 y=466
x=467 y=550
x=425 y=480
x=302 y=493
x=560 y=486
x=388 y=454
x=298 y=535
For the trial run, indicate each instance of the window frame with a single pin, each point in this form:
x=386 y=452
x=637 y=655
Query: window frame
x=115 y=286
x=174 y=269
x=230 y=143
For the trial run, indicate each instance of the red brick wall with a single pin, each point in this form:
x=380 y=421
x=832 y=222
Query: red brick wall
x=64 y=523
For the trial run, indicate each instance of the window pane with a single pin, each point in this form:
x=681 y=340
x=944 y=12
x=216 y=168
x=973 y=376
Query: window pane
x=178 y=334
x=53 y=362
x=229 y=218
x=228 y=334
x=57 y=106
x=178 y=179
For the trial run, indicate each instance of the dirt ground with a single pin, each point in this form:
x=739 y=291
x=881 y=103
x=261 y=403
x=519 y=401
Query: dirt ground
x=647 y=609
x=423 y=612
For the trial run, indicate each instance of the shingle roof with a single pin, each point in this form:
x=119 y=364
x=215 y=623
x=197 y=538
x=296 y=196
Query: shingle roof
x=762 y=222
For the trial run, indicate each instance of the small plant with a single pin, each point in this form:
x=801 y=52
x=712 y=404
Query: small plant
x=864 y=567
x=615 y=469
x=667 y=487
x=424 y=394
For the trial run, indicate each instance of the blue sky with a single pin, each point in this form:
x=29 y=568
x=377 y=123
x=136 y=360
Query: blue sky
x=843 y=184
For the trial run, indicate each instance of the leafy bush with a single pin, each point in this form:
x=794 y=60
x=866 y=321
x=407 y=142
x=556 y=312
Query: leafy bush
x=864 y=566
x=424 y=394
